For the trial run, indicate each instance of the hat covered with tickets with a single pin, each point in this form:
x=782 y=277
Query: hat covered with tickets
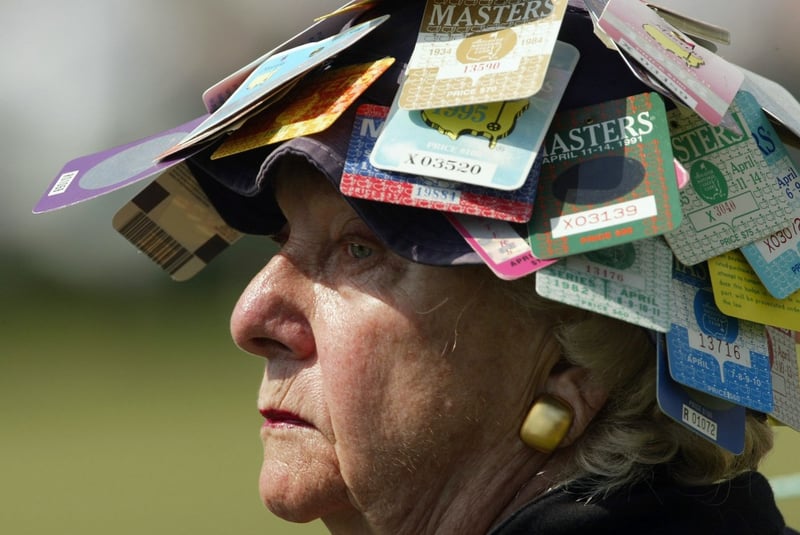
x=604 y=145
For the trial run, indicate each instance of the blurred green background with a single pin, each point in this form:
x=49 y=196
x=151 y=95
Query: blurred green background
x=125 y=406
x=129 y=412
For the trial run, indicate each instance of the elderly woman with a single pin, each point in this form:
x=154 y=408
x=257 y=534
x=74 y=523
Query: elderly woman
x=408 y=390
x=394 y=394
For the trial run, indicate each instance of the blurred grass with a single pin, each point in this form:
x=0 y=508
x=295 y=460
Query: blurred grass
x=132 y=412
x=128 y=412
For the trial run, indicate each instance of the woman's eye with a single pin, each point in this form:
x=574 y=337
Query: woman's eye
x=359 y=251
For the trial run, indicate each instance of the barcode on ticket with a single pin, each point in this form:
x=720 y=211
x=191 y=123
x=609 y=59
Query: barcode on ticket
x=174 y=224
x=153 y=241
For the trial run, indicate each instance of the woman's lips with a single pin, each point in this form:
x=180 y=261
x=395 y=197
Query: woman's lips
x=279 y=418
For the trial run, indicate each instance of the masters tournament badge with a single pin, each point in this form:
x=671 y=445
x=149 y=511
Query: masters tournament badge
x=470 y=54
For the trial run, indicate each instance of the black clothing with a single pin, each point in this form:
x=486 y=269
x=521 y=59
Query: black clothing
x=744 y=505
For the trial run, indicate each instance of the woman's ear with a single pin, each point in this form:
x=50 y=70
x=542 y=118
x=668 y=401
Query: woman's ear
x=574 y=386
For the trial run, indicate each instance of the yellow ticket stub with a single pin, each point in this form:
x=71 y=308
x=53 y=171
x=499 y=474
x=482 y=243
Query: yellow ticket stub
x=739 y=293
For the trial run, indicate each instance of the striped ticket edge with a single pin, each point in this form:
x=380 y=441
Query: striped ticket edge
x=173 y=222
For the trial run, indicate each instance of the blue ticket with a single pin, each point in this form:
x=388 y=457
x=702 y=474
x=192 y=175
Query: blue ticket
x=715 y=420
x=776 y=258
x=492 y=144
x=712 y=352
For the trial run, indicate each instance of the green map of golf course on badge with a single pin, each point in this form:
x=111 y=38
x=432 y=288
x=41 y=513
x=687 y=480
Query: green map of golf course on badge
x=607 y=178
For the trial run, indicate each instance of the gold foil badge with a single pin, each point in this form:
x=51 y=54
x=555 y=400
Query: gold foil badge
x=492 y=120
x=486 y=47
x=474 y=52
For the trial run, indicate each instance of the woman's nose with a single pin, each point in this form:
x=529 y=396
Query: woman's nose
x=271 y=318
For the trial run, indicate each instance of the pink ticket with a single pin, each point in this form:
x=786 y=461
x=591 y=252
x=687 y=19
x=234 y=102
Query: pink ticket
x=702 y=80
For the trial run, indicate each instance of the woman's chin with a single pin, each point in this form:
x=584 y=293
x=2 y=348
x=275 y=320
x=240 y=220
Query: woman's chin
x=301 y=494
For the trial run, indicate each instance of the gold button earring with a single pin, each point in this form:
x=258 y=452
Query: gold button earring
x=547 y=423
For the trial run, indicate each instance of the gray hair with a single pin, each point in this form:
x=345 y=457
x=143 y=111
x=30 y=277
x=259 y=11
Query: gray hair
x=630 y=436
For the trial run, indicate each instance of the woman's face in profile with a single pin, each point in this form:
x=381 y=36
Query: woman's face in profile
x=385 y=381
